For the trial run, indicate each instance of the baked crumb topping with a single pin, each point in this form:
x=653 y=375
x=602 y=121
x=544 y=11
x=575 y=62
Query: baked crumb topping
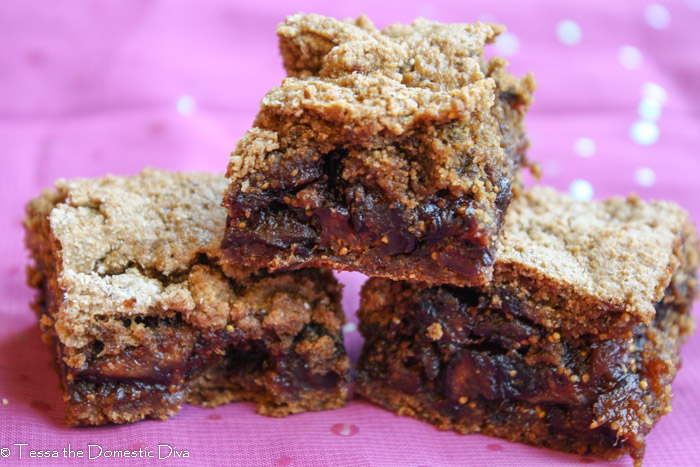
x=414 y=105
x=618 y=253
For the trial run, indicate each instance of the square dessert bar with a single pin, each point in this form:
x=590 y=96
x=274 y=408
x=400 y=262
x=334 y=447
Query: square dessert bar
x=572 y=347
x=392 y=152
x=133 y=302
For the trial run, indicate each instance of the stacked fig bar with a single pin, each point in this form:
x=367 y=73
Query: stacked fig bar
x=391 y=152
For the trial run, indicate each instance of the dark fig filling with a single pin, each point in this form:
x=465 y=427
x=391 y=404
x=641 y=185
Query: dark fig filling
x=317 y=213
x=492 y=365
x=158 y=376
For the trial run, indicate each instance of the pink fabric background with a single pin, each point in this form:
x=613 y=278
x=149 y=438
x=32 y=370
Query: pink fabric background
x=88 y=88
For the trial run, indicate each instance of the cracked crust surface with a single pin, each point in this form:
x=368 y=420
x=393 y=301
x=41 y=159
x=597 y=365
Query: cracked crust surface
x=403 y=118
x=120 y=242
x=616 y=255
x=133 y=299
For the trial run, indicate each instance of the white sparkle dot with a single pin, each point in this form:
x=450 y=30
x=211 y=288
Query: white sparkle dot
x=186 y=105
x=644 y=132
x=581 y=190
x=349 y=327
x=649 y=109
x=584 y=147
x=630 y=57
x=508 y=44
x=569 y=32
x=693 y=4
x=644 y=176
x=655 y=92
x=657 y=16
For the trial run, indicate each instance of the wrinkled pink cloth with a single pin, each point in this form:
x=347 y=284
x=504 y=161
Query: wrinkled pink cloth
x=88 y=88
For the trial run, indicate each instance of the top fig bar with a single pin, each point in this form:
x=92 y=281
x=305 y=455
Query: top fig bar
x=390 y=152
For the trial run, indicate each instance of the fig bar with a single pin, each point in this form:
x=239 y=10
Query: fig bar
x=133 y=301
x=574 y=345
x=391 y=152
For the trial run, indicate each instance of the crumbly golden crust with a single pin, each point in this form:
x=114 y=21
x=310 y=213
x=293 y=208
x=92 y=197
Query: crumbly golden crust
x=378 y=85
x=131 y=287
x=614 y=255
x=400 y=118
